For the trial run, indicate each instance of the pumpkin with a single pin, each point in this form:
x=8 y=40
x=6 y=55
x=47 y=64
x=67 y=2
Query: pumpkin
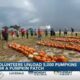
x=61 y=59
x=30 y=56
x=53 y=60
x=35 y=53
x=37 y=58
x=42 y=53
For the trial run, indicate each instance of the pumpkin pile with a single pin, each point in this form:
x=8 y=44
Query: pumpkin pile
x=46 y=58
x=55 y=44
x=23 y=49
x=37 y=56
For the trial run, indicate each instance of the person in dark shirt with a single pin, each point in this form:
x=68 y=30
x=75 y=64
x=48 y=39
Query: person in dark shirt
x=22 y=33
x=35 y=32
x=46 y=32
x=27 y=33
x=65 y=32
x=5 y=37
x=5 y=34
x=59 y=32
x=31 y=32
x=76 y=34
x=52 y=32
x=72 y=31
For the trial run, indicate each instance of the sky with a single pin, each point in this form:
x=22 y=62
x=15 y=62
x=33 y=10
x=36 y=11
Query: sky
x=56 y=13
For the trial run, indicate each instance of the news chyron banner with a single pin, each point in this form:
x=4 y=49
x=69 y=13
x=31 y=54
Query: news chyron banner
x=39 y=66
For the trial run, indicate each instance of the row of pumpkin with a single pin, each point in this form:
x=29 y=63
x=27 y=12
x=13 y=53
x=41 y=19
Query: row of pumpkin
x=65 y=39
x=56 y=44
x=37 y=56
x=72 y=37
